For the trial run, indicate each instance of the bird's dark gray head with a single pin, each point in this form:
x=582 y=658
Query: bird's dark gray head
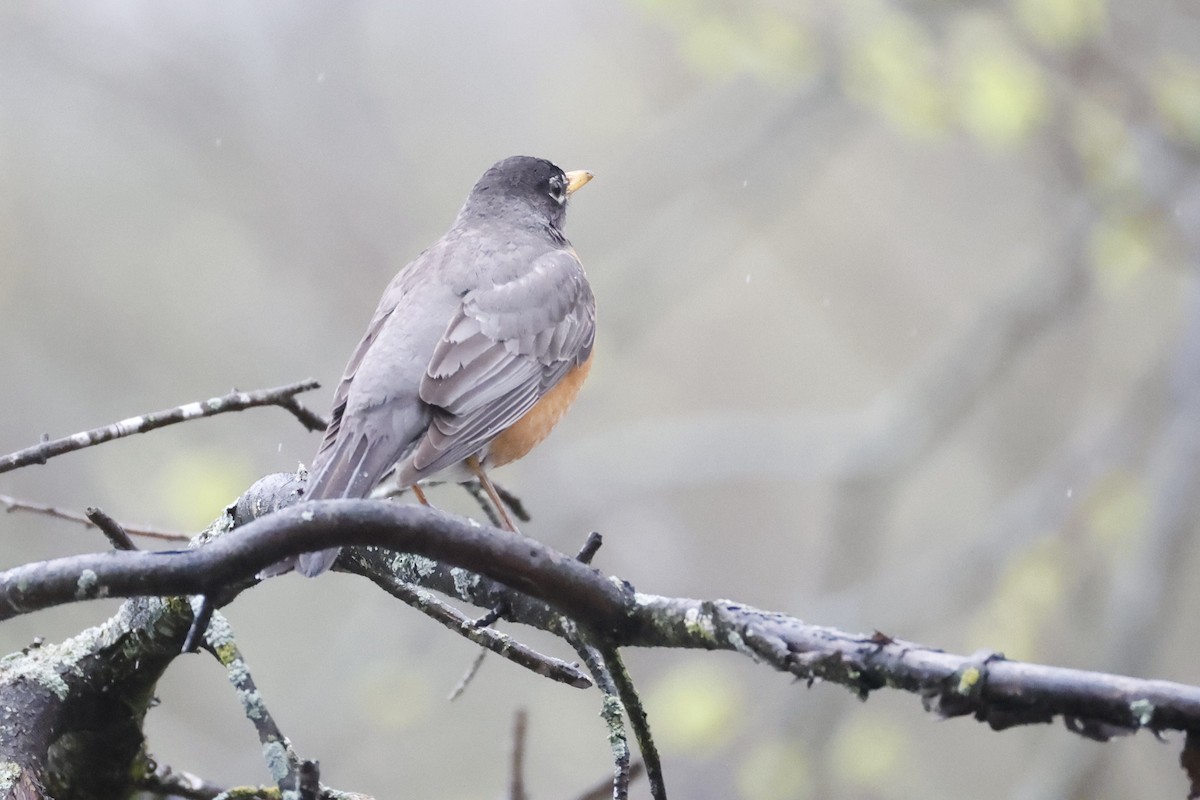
x=521 y=186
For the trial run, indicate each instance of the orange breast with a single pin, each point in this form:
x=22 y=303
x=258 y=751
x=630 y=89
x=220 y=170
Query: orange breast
x=525 y=434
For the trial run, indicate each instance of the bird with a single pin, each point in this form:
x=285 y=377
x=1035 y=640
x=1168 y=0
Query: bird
x=477 y=349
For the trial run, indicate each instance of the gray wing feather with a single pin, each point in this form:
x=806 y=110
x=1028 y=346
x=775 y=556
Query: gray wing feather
x=507 y=346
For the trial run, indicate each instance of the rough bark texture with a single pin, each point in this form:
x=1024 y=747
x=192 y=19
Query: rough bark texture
x=71 y=713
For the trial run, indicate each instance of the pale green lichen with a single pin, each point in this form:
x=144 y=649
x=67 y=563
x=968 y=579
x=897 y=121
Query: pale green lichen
x=238 y=673
x=39 y=667
x=464 y=582
x=418 y=565
x=276 y=756
x=10 y=773
x=968 y=681
x=698 y=624
x=88 y=586
x=612 y=711
x=252 y=703
x=1142 y=710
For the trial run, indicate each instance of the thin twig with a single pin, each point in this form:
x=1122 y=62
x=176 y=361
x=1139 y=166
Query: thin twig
x=235 y=401
x=488 y=638
x=310 y=780
x=166 y=781
x=476 y=490
x=307 y=417
x=513 y=502
x=203 y=606
x=588 y=551
x=611 y=709
x=637 y=719
x=603 y=788
x=468 y=676
x=509 y=499
x=13 y=504
x=491 y=617
x=118 y=537
x=516 y=780
x=285 y=765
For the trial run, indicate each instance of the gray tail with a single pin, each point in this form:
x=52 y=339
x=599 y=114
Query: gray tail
x=351 y=468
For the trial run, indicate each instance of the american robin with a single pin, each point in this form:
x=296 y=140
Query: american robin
x=476 y=351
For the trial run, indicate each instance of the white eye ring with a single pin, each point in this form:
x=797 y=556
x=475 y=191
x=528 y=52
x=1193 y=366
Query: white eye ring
x=558 y=191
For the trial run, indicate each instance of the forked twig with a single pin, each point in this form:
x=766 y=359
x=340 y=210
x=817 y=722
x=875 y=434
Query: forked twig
x=637 y=719
x=489 y=638
x=611 y=710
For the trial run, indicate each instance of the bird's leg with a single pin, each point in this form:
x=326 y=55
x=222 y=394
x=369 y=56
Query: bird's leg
x=419 y=493
x=486 y=482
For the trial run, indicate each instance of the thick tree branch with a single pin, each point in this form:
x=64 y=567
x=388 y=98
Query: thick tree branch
x=282 y=396
x=1000 y=692
x=524 y=564
x=78 y=706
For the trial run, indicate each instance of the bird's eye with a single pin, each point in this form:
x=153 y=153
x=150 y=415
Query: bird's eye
x=558 y=190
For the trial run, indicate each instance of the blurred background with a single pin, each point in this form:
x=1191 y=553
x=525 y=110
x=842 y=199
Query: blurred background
x=899 y=329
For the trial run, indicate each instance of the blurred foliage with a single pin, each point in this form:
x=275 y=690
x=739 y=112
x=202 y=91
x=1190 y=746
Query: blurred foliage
x=1062 y=24
x=892 y=65
x=999 y=95
x=695 y=707
x=1117 y=513
x=725 y=40
x=1106 y=149
x=1029 y=592
x=868 y=753
x=1176 y=84
x=394 y=696
x=1122 y=246
x=775 y=769
x=195 y=483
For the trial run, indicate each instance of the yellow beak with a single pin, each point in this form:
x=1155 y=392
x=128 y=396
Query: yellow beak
x=576 y=179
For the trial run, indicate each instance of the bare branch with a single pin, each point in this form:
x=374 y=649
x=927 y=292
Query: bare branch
x=118 y=537
x=612 y=710
x=522 y=563
x=513 y=502
x=510 y=500
x=307 y=417
x=637 y=720
x=488 y=638
x=235 y=401
x=281 y=758
x=13 y=504
x=1002 y=693
x=603 y=788
x=590 y=548
x=469 y=675
x=516 y=781
x=169 y=783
